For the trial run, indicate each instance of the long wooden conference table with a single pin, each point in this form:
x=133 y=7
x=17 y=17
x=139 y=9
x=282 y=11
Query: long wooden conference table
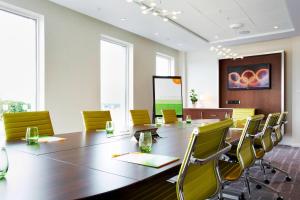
x=82 y=165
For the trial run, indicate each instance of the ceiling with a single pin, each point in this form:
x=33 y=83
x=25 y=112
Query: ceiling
x=201 y=22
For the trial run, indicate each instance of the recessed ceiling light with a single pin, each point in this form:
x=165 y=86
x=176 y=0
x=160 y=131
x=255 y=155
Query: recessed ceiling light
x=276 y=27
x=123 y=19
x=129 y=1
x=164 y=11
x=244 y=32
x=216 y=37
x=165 y=19
x=174 y=17
x=236 y=26
x=156 y=33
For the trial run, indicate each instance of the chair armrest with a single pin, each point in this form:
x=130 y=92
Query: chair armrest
x=202 y=161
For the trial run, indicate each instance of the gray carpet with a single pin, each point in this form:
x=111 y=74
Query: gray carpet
x=284 y=157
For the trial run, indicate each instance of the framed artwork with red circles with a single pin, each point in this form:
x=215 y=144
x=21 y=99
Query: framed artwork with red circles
x=249 y=77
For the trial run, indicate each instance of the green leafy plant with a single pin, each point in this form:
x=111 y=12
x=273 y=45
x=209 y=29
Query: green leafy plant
x=193 y=96
x=13 y=106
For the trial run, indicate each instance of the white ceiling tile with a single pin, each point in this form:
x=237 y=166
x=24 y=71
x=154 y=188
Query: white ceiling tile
x=207 y=18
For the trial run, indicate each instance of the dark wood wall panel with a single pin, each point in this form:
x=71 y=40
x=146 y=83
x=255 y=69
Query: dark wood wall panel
x=265 y=101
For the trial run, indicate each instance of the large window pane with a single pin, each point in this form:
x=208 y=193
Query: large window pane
x=114 y=87
x=18 y=63
x=164 y=65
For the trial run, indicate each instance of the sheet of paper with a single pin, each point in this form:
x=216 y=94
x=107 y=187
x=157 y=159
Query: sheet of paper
x=146 y=159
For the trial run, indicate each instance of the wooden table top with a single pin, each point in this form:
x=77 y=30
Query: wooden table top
x=82 y=165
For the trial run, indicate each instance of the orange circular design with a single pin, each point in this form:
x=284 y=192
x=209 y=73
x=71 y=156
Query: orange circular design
x=244 y=82
x=177 y=81
x=234 y=77
x=262 y=74
x=249 y=78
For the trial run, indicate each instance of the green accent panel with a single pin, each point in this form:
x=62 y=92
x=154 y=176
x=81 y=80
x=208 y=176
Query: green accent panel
x=168 y=102
x=175 y=106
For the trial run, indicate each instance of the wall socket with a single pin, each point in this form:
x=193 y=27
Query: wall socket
x=233 y=102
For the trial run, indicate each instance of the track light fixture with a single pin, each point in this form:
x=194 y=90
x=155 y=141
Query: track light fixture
x=150 y=6
x=223 y=52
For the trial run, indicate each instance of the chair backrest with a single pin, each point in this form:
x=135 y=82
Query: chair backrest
x=240 y=115
x=140 y=117
x=15 y=124
x=95 y=120
x=245 y=150
x=266 y=137
x=169 y=116
x=280 y=125
x=201 y=181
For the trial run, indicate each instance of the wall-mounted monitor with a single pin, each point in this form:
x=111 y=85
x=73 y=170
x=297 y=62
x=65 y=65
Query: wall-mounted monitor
x=167 y=94
x=249 y=77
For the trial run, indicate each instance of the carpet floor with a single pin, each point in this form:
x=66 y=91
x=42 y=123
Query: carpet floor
x=283 y=157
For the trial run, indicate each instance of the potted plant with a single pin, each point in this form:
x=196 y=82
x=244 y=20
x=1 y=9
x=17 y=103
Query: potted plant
x=193 y=97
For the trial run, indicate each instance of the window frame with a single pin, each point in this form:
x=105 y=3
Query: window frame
x=171 y=67
x=40 y=49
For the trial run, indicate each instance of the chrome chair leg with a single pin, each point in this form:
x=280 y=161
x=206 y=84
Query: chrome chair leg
x=266 y=181
x=256 y=181
x=287 y=178
x=247 y=184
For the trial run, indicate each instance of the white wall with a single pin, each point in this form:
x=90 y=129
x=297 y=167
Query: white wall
x=202 y=75
x=72 y=62
x=204 y=66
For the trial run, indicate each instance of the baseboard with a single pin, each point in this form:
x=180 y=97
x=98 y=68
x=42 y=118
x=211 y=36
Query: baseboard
x=290 y=141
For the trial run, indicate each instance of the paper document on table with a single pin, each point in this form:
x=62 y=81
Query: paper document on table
x=51 y=139
x=43 y=139
x=146 y=159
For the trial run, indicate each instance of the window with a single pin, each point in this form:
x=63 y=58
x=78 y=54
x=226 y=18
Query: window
x=115 y=80
x=19 y=63
x=164 y=65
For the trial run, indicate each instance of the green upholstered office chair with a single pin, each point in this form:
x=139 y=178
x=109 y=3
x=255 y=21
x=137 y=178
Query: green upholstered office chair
x=169 y=116
x=282 y=121
x=198 y=177
x=245 y=154
x=277 y=127
x=140 y=117
x=95 y=120
x=263 y=142
x=240 y=115
x=15 y=124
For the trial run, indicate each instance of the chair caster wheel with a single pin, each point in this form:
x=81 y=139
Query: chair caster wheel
x=273 y=171
x=279 y=198
x=242 y=197
x=267 y=181
x=288 y=179
x=268 y=167
x=258 y=187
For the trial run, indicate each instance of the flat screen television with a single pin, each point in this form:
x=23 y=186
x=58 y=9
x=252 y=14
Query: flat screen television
x=249 y=77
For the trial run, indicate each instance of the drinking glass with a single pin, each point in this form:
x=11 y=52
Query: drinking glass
x=32 y=135
x=159 y=121
x=109 y=127
x=188 y=119
x=3 y=162
x=145 y=142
